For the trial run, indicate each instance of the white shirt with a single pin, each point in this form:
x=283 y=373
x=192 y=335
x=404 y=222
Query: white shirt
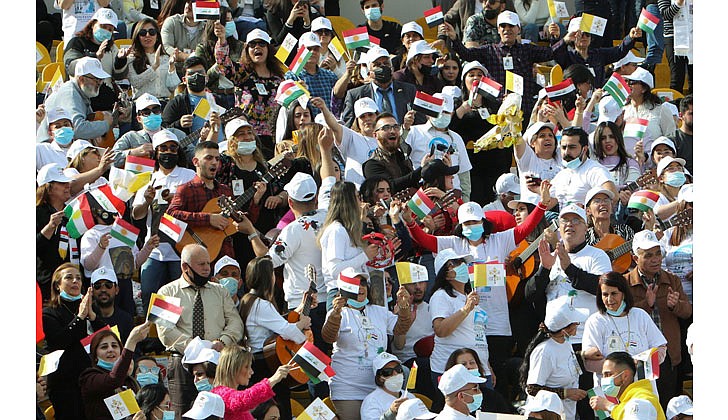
x=661 y=122
x=263 y=320
x=123 y=267
x=355 y=149
x=529 y=163
x=554 y=365
x=294 y=251
x=421 y=327
x=449 y=413
x=467 y=334
x=356 y=348
x=419 y=138
x=178 y=176
x=492 y=299
x=376 y=404
x=337 y=253
x=46 y=153
x=590 y=259
x=571 y=185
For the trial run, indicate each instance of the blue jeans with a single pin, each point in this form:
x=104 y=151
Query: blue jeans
x=155 y=274
x=655 y=40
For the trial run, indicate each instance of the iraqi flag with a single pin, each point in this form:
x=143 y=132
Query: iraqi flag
x=560 y=91
x=314 y=363
x=489 y=87
x=162 y=312
x=434 y=17
x=643 y=200
x=647 y=21
x=356 y=38
x=206 y=10
x=348 y=284
x=105 y=197
x=172 y=227
x=427 y=104
x=80 y=218
x=618 y=88
x=420 y=204
x=139 y=164
x=86 y=342
x=635 y=128
x=648 y=364
x=125 y=232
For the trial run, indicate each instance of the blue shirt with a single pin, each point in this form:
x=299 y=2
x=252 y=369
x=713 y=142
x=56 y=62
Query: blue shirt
x=390 y=94
x=320 y=84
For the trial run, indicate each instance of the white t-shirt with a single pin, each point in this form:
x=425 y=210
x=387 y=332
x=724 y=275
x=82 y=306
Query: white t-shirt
x=419 y=138
x=355 y=149
x=449 y=413
x=468 y=334
x=529 y=163
x=46 y=153
x=377 y=403
x=554 y=365
x=492 y=299
x=263 y=320
x=178 y=176
x=571 y=185
x=590 y=259
x=337 y=253
x=356 y=348
x=421 y=327
x=123 y=256
x=76 y=17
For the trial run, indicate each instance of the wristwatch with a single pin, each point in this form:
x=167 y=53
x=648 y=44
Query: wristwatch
x=253 y=235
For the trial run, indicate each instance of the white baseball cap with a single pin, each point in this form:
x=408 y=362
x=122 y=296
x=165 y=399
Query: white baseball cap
x=414 y=409
x=106 y=16
x=196 y=352
x=321 y=23
x=447 y=101
x=90 y=65
x=609 y=109
x=412 y=27
x=163 y=136
x=573 y=208
x=51 y=172
x=103 y=273
x=145 y=100
x=448 y=254
x=56 y=114
x=257 y=34
x=560 y=313
x=77 y=147
x=206 y=404
x=309 y=40
x=470 y=211
x=644 y=240
x=419 y=48
x=364 y=105
x=474 y=65
x=224 y=262
x=508 y=17
x=508 y=182
x=597 y=190
x=663 y=140
x=639 y=409
x=534 y=128
x=544 y=400
x=301 y=187
x=232 y=126
x=574 y=24
x=455 y=378
x=629 y=58
x=382 y=359
x=643 y=76
x=686 y=193
x=375 y=52
x=682 y=404
x=666 y=161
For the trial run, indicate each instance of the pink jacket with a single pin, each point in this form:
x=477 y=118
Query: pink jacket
x=239 y=403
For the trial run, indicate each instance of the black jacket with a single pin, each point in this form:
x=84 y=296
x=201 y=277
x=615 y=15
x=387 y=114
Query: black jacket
x=404 y=95
x=175 y=109
x=47 y=258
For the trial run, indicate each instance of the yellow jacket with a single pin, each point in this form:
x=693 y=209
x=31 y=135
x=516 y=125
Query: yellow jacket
x=641 y=389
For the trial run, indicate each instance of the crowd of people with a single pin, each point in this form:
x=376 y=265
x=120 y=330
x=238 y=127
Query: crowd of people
x=508 y=249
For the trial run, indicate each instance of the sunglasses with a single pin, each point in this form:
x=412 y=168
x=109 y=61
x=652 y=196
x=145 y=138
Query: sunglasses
x=147 y=111
x=322 y=32
x=391 y=371
x=147 y=369
x=172 y=148
x=256 y=43
x=150 y=32
x=106 y=284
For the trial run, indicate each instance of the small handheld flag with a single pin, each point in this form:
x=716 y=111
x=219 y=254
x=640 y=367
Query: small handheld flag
x=164 y=310
x=408 y=272
x=122 y=405
x=427 y=104
x=489 y=86
x=647 y=21
x=635 y=127
x=412 y=380
x=172 y=227
x=618 y=88
x=300 y=60
x=593 y=24
x=643 y=200
x=356 y=38
x=560 y=91
x=314 y=363
x=124 y=232
x=420 y=204
x=514 y=82
x=434 y=16
x=286 y=47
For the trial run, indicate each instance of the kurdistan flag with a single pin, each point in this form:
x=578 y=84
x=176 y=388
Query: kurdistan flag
x=80 y=218
x=420 y=204
x=618 y=89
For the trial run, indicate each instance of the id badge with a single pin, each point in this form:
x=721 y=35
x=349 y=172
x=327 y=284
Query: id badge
x=614 y=343
x=508 y=63
x=261 y=88
x=238 y=187
x=154 y=4
x=366 y=323
x=484 y=114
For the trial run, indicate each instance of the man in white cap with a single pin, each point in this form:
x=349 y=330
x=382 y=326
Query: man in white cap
x=435 y=131
x=227 y=273
x=60 y=132
x=482 y=28
x=74 y=96
x=414 y=409
x=205 y=406
x=139 y=143
x=411 y=32
x=320 y=81
x=462 y=393
x=105 y=288
x=680 y=408
x=660 y=294
x=420 y=69
x=507 y=188
x=390 y=95
x=322 y=27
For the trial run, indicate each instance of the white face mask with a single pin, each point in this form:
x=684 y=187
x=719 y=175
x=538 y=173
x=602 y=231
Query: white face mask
x=394 y=384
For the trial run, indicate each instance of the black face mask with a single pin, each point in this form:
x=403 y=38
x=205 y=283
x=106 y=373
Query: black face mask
x=199 y=280
x=491 y=14
x=383 y=75
x=196 y=82
x=168 y=160
x=429 y=70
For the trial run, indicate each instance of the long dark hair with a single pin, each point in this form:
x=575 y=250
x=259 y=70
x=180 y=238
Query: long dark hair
x=452 y=360
x=614 y=279
x=621 y=149
x=441 y=281
x=96 y=340
x=649 y=99
x=169 y=8
x=261 y=410
x=258 y=276
x=542 y=335
x=540 y=227
x=487 y=229
x=369 y=187
x=150 y=396
x=458 y=82
x=140 y=57
x=271 y=62
x=290 y=124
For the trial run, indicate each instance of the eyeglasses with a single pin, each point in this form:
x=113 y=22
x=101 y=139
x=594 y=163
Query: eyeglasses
x=150 y=32
x=107 y=284
x=190 y=74
x=388 y=127
x=573 y=221
x=147 y=111
x=391 y=371
x=147 y=369
x=256 y=43
x=93 y=79
x=173 y=148
x=632 y=82
x=322 y=32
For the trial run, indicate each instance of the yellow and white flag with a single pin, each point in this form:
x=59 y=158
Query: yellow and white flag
x=122 y=405
x=593 y=24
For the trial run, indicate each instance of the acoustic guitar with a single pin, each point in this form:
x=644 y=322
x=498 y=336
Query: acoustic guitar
x=521 y=262
x=278 y=351
x=618 y=249
x=212 y=238
x=108 y=140
x=226 y=117
x=646 y=180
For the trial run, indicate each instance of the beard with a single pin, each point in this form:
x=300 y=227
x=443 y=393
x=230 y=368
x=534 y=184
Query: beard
x=90 y=91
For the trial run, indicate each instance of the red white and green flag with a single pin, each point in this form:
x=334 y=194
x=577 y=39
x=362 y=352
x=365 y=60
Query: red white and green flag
x=648 y=364
x=427 y=104
x=289 y=91
x=647 y=21
x=420 y=204
x=618 y=88
x=559 y=91
x=356 y=38
x=373 y=40
x=107 y=200
x=125 y=232
x=86 y=342
x=139 y=164
x=598 y=392
x=643 y=200
x=434 y=17
x=80 y=218
x=489 y=86
x=635 y=128
x=314 y=363
x=300 y=59
x=172 y=227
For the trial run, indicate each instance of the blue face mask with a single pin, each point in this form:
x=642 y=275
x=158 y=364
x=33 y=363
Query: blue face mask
x=675 y=179
x=230 y=284
x=246 y=147
x=619 y=310
x=608 y=386
x=573 y=164
x=474 y=372
x=203 y=385
x=66 y=296
x=356 y=304
x=63 y=136
x=167 y=415
x=152 y=121
x=373 y=13
x=477 y=402
x=389 y=299
x=230 y=28
x=147 y=378
x=461 y=273
x=101 y=35
x=474 y=232
x=103 y=364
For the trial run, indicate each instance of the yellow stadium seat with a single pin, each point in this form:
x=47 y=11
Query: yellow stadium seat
x=120 y=43
x=394 y=19
x=330 y=404
x=430 y=33
x=50 y=69
x=424 y=399
x=43 y=57
x=557 y=75
x=662 y=75
x=341 y=24
x=50 y=413
x=668 y=92
x=296 y=408
x=59 y=52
